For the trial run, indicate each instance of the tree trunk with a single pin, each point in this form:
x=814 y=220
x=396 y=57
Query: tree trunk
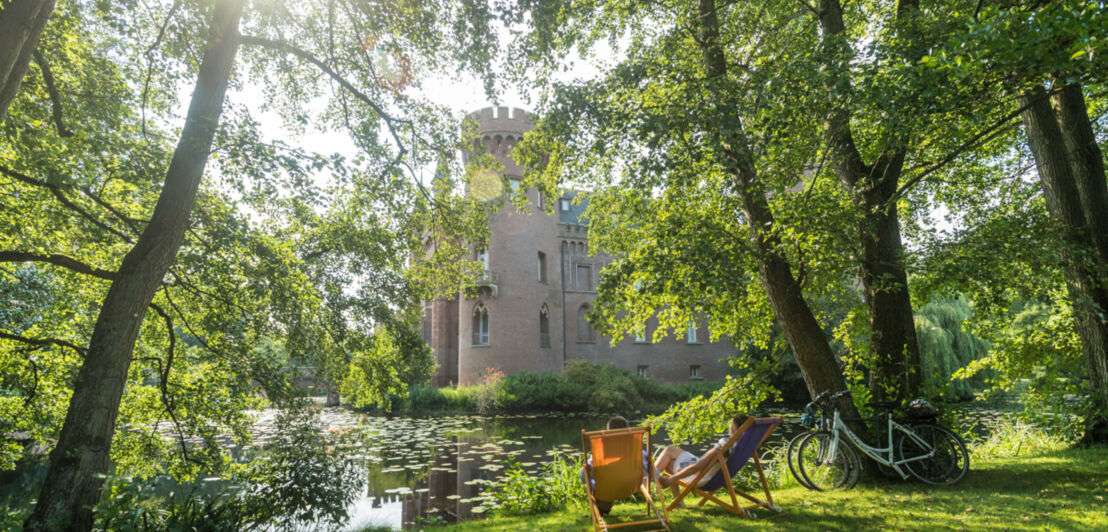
x=896 y=373
x=1088 y=295
x=21 y=23
x=1087 y=166
x=82 y=452
x=802 y=331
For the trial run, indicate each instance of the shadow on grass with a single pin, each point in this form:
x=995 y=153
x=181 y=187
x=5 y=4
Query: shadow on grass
x=1064 y=490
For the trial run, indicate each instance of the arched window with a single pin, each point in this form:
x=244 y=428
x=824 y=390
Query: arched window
x=585 y=332
x=544 y=326
x=480 y=325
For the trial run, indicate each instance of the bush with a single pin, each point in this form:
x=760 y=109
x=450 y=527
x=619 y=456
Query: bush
x=582 y=387
x=1010 y=437
x=301 y=479
x=558 y=486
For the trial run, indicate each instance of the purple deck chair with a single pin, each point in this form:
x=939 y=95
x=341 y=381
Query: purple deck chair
x=744 y=446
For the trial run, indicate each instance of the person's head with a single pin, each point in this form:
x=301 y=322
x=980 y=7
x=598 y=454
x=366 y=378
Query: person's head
x=736 y=422
x=617 y=422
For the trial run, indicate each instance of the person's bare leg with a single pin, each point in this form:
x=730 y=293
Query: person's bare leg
x=666 y=463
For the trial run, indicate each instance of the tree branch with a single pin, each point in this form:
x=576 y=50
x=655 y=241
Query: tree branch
x=57 y=260
x=57 y=192
x=44 y=342
x=983 y=137
x=390 y=121
x=163 y=383
x=55 y=98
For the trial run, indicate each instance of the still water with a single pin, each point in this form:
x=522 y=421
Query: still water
x=434 y=469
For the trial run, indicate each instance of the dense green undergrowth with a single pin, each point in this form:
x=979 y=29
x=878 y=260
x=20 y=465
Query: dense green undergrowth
x=1056 y=490
x=581 y=387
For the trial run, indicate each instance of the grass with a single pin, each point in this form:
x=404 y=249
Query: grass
x=1057 y=490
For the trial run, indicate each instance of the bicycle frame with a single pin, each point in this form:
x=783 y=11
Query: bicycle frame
x=882 y=455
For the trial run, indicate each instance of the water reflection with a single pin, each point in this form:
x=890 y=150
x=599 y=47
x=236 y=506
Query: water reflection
x=434 y=469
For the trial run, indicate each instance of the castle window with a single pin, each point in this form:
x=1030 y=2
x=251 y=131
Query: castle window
x=694 y=372
x=480 y=325
x=539 y=200
x=482 y=256
x=584 y=277
x=584 y=329
x=640 y=335
x=544 y=327
x=690 y=335
x=642 y=371
x=514 y=184
x=565 y=204
x=542 y=267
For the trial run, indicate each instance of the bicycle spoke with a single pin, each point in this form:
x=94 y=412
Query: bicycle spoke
x=822 y=470
x=945 y=467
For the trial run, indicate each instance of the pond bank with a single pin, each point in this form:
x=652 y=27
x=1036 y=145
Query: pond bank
x=1062 y=490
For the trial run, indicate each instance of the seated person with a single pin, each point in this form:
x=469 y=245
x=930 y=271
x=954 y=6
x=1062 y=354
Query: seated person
x=681 y=464
x=616 y=422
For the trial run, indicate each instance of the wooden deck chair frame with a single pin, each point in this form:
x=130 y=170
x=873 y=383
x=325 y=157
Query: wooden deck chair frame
x=642 y=488
x=733 y=506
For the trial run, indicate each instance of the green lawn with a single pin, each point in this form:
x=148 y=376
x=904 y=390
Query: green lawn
x=1064 y=490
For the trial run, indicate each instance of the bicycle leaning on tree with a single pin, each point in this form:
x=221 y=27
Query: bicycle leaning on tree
x=825 y=459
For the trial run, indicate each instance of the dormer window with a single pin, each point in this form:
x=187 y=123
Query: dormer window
x=565 y=204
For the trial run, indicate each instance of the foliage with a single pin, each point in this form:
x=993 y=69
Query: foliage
x=300 y=478
x=1036 y=351
x=581 y=387
x=946 y=347
x=1010 y=437
x=304 y=473
x=557 y=486
x=488 y=390
x=700 y=417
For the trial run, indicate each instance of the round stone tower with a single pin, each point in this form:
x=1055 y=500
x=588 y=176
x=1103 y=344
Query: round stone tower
x=514 y=323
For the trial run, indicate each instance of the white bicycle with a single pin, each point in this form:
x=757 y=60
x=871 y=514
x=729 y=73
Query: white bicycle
x=825 y=459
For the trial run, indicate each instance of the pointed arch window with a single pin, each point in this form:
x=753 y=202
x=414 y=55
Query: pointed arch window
x=480 y=325
x=544 y=326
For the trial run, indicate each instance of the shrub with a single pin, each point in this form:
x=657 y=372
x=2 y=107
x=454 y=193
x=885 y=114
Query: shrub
x=558 y=486
x=302 y=478
x=1010 y=437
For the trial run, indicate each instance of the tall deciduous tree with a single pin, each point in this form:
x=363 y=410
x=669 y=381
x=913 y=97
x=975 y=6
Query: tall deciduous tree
x=1071 y=170
x=873 y=187
x=671 y=120
x=73 y=483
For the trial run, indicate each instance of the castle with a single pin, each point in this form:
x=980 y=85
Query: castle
x=538 y=286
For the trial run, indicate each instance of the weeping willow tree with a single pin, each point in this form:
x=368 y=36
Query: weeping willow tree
x=946 y=347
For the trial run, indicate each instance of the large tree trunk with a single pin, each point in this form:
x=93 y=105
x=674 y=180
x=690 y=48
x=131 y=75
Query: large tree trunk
x=896 y=372
x=802 y=331
x=21 y=23
x=1058 y=160
x=83 y=447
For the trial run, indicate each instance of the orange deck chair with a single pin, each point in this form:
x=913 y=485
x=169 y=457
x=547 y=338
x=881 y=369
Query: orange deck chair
x=617 y=473
x=744 y=446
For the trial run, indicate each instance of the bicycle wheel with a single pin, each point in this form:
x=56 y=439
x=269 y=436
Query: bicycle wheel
x=790 y=456
x=947 y=467
x=822 y=471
